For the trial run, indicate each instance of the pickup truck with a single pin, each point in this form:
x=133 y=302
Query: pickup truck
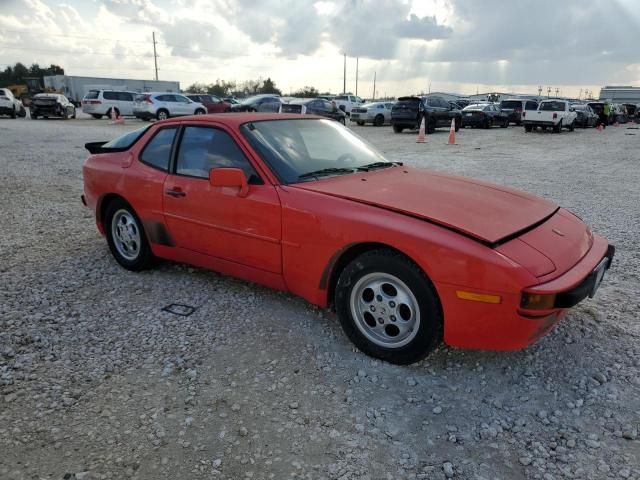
x=347 y=102
x=408 y=112
x=556 y=114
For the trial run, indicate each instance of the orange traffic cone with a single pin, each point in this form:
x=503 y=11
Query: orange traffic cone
x=115 y=118
x=421 y=133
x=452 y=133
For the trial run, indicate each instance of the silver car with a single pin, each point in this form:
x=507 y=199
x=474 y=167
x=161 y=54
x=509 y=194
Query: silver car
x=378 y=113
x=165 y=105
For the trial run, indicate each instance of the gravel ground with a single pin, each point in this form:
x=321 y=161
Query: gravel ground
x=96 y=382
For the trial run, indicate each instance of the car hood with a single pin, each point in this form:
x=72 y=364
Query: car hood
x=484 y=211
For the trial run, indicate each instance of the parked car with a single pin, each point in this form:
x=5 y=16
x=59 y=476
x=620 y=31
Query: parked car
x=314 y=106
x=377 y=113
x=165 y=105
x=98 y=103
x=598 y=108
x=258 y=103
x=619 y=113
x=9 y=104
x=212 y=103
x=484 y=115
x=555 y=114
x=407 y=257
x=632 y=109
x=515 y=108
x=48 y=105
x=346 y=102
x=585 y=116
x=407 y=112
x=231 y=100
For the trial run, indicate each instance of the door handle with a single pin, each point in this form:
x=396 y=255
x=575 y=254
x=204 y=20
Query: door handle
x=175 y=192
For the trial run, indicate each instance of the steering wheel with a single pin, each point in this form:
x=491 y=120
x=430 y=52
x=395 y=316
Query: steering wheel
x=346 y=158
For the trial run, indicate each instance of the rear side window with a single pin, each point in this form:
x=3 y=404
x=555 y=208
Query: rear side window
x=552 y=106
x=157 y=152
x=125 y=96
x=93 y=94
x=126 y=140
x=110 y=95
x=204 y=148
x=531 y=106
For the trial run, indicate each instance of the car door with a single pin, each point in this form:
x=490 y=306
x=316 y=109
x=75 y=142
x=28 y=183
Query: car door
x=126 y=103
x=215 y=221
x=184 y=106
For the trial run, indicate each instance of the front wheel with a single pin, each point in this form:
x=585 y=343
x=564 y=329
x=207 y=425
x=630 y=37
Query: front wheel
x=572 y=126
x=388 y=307
x=13 y=113
x=126 y=238
x=200 y=112
x=378 y=121
x=162 y=114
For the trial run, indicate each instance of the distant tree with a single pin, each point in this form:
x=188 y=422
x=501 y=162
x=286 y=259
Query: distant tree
x=221 y=88
x=306 y=92
x=17 y=74
x=269 y=86
x=197 y=88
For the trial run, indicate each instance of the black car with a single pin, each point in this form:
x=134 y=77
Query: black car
x=258 y=103
x=586 y=117
x=315 y=106
x=51 y=105
x=409 y=111
x=484 y=115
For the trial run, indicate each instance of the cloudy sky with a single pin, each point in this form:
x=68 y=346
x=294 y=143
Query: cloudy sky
x=413 y=45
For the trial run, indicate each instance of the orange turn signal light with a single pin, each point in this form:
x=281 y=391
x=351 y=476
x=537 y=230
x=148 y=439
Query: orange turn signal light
x=534 y=301
x=478 y=297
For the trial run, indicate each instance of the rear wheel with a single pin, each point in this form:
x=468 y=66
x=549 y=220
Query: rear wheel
x=572 y=126
x=457 y=124
x=528 y=128
x=431 y=125
x=162 y=114
x=388 y=307
x=397 y=129
x=558 y=128
x=505 y=124
x=378 y=121
x=125 y=236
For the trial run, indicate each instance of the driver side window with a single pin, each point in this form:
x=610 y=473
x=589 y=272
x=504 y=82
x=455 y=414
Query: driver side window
x=204 y=148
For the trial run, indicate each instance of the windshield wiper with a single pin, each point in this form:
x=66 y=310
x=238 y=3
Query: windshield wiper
x=374 y=165
x=325 y=171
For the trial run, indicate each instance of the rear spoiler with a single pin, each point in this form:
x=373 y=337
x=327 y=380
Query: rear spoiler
x=97 y=147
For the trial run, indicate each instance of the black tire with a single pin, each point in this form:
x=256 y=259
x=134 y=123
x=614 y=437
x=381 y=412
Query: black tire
x=392 y=265
x=457 y=124
x=505 y=124
x=97 y=116
x=162 y=114
x=144 y=258
x=397 y=129
x=558 y=128
x=378 y=121
x=343 y=121
x=200 y=112
x=572 y=126
x=528 y=128
x=13 y=112
x=360 y=123
x=518 y=123
x=488 y=123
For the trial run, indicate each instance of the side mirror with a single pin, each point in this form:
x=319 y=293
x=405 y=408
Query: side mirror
x=229 y=177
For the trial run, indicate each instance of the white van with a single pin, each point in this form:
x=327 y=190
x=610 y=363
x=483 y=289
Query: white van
x=100 y=102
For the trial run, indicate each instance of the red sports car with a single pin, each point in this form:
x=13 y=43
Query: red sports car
x=407 y=257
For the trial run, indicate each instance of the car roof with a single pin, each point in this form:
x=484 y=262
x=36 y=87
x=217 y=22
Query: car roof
x=234 y=120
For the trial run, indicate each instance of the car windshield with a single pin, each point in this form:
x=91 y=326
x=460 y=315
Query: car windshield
x=297 y=147
x=250 y=100
x=552 y=106
x=126 y=140
x=474 y=107
x=511 y=104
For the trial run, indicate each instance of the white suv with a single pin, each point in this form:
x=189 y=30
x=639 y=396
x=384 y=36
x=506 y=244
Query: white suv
x=164 y=105
x=10 y=105
x=100 y=102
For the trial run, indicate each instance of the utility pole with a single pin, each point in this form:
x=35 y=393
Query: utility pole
x=356 y=76
x=548 y=92
x=344 y=78
x=374 y=86
x=155 y=55
x=539 y=91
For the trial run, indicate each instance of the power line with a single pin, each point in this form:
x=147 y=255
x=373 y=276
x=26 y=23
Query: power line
x=73 y=52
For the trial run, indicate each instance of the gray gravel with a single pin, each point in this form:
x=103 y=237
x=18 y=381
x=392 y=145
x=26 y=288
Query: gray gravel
x=96 y=382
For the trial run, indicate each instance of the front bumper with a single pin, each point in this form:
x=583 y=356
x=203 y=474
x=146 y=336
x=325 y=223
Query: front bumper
x=472 y=121
x=4 y=110
x=507 y=326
